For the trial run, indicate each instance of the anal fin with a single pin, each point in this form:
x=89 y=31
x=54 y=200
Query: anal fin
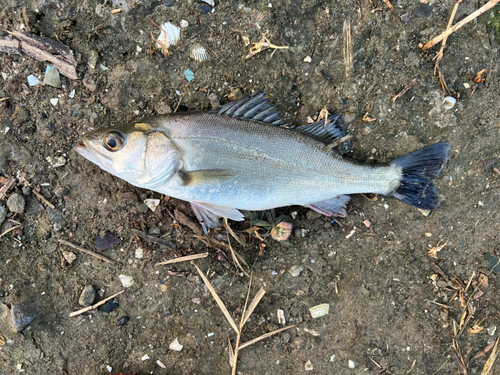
x=208 y=214
x=332 y=207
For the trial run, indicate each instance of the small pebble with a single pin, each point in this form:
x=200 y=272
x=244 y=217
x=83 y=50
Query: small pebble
x=351 y=364
x=3 y=214
x=88 y=296
x=123 y=321
x=25 y=312
x=110 y=306
x=154 y=230
x=16 y=203
x=26 y=190
x=236 y=94
x=214 y=100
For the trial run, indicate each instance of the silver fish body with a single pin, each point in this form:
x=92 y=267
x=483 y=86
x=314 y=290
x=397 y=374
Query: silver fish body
x=242 y=158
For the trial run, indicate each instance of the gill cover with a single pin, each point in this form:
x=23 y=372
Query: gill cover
x=163 y=160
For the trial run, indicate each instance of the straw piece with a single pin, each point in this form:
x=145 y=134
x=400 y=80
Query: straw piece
x=248 y=343
x=9 y=230
x=490 y=4
x=218 y=300
x=253 y=305
x=183 y=259
x=74 y=313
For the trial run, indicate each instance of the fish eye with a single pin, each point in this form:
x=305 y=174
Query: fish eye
x=113 y=141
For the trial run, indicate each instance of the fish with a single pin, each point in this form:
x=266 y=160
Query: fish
x=243 y=157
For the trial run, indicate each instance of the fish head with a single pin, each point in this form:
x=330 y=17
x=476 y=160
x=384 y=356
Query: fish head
x=137 y=153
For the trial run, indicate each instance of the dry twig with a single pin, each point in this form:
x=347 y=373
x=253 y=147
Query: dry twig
x=98 y=256
x=95 y=306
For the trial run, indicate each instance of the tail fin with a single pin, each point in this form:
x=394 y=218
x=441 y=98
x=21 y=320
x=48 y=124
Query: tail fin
x=418 y=169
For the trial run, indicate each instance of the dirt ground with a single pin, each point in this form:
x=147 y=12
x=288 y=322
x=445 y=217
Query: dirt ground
x=393 y=308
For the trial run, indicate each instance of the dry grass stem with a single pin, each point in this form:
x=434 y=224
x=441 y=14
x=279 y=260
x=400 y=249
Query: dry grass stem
x=9 y=230
x=490 y=4
x=248 y=343
x=347 y=47
x=402 y=92
x=218 y=300
x=252 y=306
x=42 y=198
x=389 y=5
x=95 y=306
x=98 y=256
x=262 y=45
x=235 y=258
x=163 y=46
x=183 y=259
x=230 y=352
x=439 y=304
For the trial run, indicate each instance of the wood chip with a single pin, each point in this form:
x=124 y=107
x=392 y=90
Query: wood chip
x=151 y=238
x=46 y=49
x=185 y=220
x=11 y=182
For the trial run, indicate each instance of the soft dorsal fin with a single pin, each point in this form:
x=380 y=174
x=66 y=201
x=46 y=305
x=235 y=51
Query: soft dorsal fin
x=324 y=131
x=255 y=107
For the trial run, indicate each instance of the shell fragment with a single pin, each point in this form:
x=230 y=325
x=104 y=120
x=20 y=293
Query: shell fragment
x=319 y=310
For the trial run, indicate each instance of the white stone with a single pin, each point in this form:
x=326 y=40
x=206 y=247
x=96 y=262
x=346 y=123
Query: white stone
x=127 y=281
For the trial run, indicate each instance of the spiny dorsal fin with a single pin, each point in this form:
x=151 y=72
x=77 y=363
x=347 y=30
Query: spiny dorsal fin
x=327 y=132
x=255 y=107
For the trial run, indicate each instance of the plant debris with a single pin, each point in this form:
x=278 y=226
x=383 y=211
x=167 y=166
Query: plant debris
x=106 y=242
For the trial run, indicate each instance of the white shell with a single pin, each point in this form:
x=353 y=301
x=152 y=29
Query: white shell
x=175 y=345
x=308 y=366
x=198 y=52
x=127 y=281
x=209 y=2
x=52 y=77
x=169 y=35
x=449 y=102
x=56 y=161
x=32 y=80
x=295 y=270
x=139 y=253
x=319 y=310
x=152 y=203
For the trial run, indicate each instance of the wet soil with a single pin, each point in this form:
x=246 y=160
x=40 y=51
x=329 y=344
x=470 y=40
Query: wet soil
x=385 y=293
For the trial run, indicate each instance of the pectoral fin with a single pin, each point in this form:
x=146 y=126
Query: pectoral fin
x=208 y=214
x=205 y=176
x=331 y=207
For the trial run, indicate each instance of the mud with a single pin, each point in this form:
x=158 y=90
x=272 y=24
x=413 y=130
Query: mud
x=379 y=280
